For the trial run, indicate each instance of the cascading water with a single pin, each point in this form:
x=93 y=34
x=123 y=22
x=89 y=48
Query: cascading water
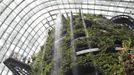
x=57 y=56
x=87 y=36
x=74 y=58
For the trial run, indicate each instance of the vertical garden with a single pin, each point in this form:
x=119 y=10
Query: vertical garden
x=114 y=41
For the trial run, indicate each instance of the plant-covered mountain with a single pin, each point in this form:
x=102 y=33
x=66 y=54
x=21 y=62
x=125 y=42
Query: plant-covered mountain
x=115 y=42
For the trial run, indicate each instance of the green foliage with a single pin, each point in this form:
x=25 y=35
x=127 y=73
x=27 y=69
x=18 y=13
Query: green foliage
x=103 y=33
x=129 y=67
x=81 y=44
x=66 y=46
x=43 y=59
x=37 y=63
x=109 y=63
x=126 y=44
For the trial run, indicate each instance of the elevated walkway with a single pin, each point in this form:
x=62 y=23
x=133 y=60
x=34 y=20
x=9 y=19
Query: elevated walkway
x=124 y=19
x=17 y=67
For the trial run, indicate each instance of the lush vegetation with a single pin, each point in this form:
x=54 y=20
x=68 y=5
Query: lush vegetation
x=42 y=61
x=102 y=33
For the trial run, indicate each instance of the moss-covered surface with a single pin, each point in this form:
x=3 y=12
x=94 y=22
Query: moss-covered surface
x=102 y=34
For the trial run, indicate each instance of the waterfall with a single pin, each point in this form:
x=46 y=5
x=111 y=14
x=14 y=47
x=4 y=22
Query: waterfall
x=57 y=56
x=87 y=36
x=74 y=58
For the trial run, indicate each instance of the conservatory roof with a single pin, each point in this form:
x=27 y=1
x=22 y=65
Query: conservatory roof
x=24 y=23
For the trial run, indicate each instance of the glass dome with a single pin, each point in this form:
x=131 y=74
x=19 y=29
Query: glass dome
x=24 y=23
